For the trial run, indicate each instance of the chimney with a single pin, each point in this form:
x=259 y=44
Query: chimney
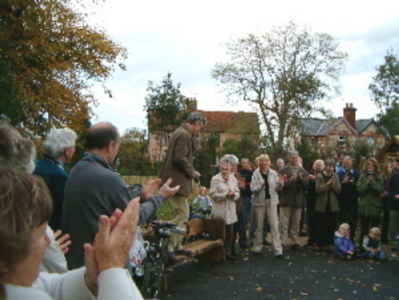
x=350 y=114
x=192 y=104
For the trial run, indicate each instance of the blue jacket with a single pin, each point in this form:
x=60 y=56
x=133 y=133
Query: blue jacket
x=342 y=245
x=55 y=178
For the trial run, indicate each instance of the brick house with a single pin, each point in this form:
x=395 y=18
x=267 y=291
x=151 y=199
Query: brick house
x=342 y=133
x=222 y=125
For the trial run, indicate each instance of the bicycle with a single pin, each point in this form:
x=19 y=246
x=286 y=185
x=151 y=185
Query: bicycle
x=157 y=255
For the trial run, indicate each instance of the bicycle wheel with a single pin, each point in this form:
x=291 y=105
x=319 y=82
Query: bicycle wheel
x=153 y=278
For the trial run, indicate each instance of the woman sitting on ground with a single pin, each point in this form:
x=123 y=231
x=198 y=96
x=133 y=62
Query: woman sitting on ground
x=26 y=207
x=224 y=192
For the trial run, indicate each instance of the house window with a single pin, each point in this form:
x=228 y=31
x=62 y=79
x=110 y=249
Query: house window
x=370 y=141
x=342 y=138
x=216 y=136
x=166 y=137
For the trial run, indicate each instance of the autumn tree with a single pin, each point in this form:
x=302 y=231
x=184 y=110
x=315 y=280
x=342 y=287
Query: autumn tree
x=385 y=93
x=52 y=58
x=166 y=109
x=284 y=73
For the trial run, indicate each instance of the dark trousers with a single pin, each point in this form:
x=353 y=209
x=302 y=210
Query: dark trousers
x=326 y=223
x=229 y=238
x=385 y=220
x=239 y=228
x=246 y=208
x=365 y=224
x=348 y=214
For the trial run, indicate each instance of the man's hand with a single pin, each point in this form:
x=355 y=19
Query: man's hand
x=166 y=191
x=196 y=174
x=149 y=188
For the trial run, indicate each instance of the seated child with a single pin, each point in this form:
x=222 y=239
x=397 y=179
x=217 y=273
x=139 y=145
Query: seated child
x=372 y=245
x=202 y=199
x=343 y=247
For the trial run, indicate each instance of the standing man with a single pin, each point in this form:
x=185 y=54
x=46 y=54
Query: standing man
x=291 y=199
x=94 y=188
x=279 y=164
x=58 y=148
x=178 y=165
x=246 y=172
x=349 y=197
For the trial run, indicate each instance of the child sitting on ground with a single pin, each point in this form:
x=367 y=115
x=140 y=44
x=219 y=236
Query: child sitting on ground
x=372 y=245
x=343 y=247
x=202 y=199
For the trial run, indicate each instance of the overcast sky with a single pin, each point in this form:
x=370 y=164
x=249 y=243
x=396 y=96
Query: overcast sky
x=187 y=39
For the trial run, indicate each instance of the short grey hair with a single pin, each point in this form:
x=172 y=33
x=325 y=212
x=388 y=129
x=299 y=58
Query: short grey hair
x=57 y=140
x=225 y=160
x=15 y=150
x=347 y=157
x=231 y=158
x=196 y=116
x=292 y=152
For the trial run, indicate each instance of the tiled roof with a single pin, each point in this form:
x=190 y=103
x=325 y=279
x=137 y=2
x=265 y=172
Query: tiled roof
x=320 y=127
x=228 y=121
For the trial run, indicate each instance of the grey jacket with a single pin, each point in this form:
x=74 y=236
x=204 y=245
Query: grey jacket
x=95 y=189
x=293 y=192
x=178 y=163
x=322 y=191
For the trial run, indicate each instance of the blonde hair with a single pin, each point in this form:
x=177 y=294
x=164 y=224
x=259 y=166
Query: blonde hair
x=374 y=161
x=375 y=230
x=344 y=226
x=202 y=188
x=25 y=204
x=260 y=157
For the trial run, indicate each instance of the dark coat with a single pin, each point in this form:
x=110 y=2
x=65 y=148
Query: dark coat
x=349 y=195
x=393 y=189
x=55 y=178
x=293 y=192
x=178 y=163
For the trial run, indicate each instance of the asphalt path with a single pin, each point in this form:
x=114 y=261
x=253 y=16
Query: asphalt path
x=301 y=275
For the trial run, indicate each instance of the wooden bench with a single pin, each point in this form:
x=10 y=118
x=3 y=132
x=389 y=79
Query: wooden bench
x=206 y=250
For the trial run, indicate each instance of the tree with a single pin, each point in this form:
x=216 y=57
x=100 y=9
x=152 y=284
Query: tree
x=284 y=73
x=385 y=93
x=133 y=154
x=205 y=158
x=52 y=58
x=244 y=147
x=166 y=108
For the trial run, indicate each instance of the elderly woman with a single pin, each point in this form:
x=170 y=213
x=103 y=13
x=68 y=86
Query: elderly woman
x=264 y=187
x=370 y=186
x=20 y=153
x=23 y=241
x=58 y=147
x=311 y=197
x=224 y=192
x=328 y=187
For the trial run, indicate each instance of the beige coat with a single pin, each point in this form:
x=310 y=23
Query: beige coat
x=258 y=192
x=322 y=189
x=178 y=162
x=223 y=207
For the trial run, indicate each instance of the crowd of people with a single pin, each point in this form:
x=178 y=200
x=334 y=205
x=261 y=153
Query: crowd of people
x=95 y=216
x=335 y=202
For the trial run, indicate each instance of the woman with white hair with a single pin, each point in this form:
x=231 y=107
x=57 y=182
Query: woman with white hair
x=224 y=193
x=59 y=147
x=264 y=187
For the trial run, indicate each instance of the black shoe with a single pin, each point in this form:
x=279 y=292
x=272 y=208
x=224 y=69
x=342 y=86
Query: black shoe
x=280 y=256
x=173 y=258
x=244 y=247
x=266 y=243
x=230 y=257
x=296 y=247
x=183 y=252
x=255 y=252
x=235 y=254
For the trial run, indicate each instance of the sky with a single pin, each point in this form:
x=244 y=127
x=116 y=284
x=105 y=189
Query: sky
x=188 y=38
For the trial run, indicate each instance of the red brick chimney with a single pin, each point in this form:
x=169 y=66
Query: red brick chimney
x=350 y=114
